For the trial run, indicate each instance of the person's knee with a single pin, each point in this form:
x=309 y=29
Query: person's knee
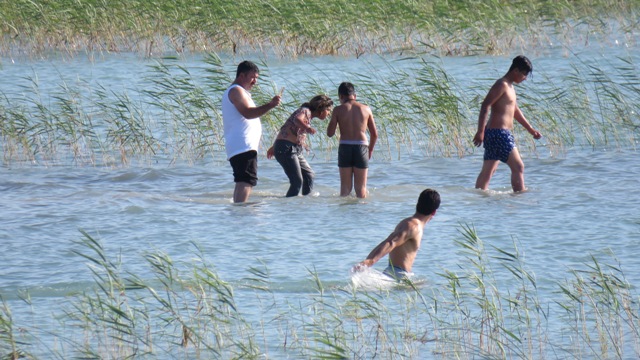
x=310 y=175
x=296 y=182
x=517 y=167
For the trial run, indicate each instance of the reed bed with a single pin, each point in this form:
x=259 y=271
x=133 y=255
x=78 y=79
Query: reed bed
x=489 y=309
x=312 y=27
x=419 y=107
x=417 y=104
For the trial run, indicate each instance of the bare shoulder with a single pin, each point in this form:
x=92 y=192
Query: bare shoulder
x=499 y=88
x=364 y=107
x=236 y=90
x=236 y=93
x=410 y=224
x=501 y=85
x=340 y=109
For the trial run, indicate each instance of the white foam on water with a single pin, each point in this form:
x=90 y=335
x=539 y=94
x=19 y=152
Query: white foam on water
x=367 y=278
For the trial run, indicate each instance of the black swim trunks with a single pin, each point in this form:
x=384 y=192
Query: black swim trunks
x=245 y=167
x=353 y=155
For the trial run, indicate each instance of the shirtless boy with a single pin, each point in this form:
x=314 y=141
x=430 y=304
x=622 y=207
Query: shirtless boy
x=499 y=144
x=353 y=120
x=403 y=243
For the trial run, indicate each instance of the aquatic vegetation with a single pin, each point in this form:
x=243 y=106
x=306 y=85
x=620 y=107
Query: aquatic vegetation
x=488 y=308
x=417 y=104
x=310 y=27
x=419 y=107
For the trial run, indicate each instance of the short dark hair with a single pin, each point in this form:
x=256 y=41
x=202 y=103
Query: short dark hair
x=246 y=67
x=523 y=64
x=346 y=89
x=428 y=202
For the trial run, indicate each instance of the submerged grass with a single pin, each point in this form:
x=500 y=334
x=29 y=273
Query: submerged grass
x=489 y=308
x=174 y=114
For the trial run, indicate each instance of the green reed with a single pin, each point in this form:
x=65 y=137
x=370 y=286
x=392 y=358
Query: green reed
x=176 y=313
x=417 y=105
x=488 y=308
x=600 y=305
x=310 y=27
x=10 y=347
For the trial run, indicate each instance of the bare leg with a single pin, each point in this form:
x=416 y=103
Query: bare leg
x=517 y=171
x=360 y=180
x=488 y=168
x=241 y=192
x=346 y=180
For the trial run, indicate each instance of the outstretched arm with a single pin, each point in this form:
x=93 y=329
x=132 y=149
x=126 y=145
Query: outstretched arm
x=400 y=235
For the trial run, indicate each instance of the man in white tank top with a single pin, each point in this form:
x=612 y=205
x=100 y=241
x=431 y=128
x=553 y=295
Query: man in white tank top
x=242 y=129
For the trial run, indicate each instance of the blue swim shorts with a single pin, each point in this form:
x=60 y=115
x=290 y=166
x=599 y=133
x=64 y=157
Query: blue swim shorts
x=397 y=273
x=498 y=144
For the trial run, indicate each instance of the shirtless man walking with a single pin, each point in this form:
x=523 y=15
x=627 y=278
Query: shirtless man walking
x=353 y=120
x=499 y=143
x=403 y=243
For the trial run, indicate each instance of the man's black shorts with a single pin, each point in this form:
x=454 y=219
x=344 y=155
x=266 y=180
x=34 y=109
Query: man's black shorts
x=245 y=167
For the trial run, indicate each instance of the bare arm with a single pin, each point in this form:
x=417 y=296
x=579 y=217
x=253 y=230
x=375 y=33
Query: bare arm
x=333 y=124
x=241 y=101
x=519 y=116
x=373 y=134
x=400 y=235
x=497 y=90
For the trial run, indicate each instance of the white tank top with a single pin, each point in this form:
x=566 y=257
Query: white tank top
x=240 y=134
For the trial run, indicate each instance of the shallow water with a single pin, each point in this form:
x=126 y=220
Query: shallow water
x=576 y=206
x=581 y=203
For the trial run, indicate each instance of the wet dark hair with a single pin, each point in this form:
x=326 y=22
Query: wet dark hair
x=428 y=202
x=523 y=64
x=318 y=102
x=346 y=89
x=246 y=67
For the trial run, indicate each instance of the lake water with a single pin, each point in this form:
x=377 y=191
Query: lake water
x=581 y=203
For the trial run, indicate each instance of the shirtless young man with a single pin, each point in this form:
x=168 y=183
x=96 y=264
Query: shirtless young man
x=404 y=242
x=499 y=143
x=353 y=119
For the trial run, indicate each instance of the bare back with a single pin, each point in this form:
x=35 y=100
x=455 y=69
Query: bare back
x=404 y=254
x=402 y=244
x=353 y=119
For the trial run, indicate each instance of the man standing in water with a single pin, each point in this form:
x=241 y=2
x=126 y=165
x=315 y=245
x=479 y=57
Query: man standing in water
x=243 y=129
x=404 y=242
x=499 y=143
x=354 y=152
